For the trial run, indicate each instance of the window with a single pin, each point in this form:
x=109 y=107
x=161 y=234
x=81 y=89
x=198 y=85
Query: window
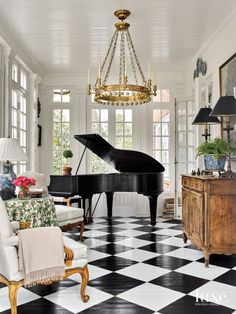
x=18 y=114
x=61 y=137
x=61 y=95
x=124 y=133
x=161 y=141
x=99 y=122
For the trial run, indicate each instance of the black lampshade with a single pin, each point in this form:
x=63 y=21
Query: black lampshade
x=225 y=106
x=203 y=117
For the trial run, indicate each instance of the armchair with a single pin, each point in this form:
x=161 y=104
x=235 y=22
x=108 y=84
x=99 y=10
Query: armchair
x=68 y=217
x=75 y=260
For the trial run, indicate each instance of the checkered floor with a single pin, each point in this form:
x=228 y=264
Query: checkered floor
x=138 y=269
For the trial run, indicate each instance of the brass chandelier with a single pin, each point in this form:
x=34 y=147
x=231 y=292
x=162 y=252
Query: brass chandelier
x=123 y=92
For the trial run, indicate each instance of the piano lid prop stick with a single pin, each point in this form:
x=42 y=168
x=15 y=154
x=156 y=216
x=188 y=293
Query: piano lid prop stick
x=81 y=160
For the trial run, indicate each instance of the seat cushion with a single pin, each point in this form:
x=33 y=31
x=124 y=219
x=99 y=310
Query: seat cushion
x=79 y=249
x=64 y=213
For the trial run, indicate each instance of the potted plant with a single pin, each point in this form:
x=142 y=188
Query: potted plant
x=214 y=153
x=67 y=169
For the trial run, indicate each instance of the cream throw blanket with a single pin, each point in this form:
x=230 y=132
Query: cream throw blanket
x=41 y=254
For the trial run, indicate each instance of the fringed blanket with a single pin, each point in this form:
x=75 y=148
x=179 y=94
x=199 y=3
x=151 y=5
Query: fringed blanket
x=41 y=255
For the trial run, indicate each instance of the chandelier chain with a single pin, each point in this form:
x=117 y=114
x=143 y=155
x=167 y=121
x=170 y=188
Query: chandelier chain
x=132 y=59
x=136 y=58
x=113 y=41
x=122 y=57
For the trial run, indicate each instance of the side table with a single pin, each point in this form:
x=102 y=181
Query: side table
x=40 y=211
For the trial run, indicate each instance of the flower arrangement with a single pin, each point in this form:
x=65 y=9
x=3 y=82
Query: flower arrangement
x=24 y=183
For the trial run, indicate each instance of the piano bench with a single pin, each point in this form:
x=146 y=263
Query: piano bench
x=70 y=217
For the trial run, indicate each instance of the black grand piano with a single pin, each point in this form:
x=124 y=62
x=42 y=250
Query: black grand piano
x=137 y=172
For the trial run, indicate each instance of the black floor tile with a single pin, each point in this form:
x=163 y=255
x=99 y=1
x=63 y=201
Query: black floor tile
x=113 y=263
x=152 y=237
x=40 y=306
x=116 y=306
x=158 y=248
x=110 y=222
x=44 y=290
x=188 y=305
x=173 y=221
x=110 y=229
x=191 y=246
x=112 y=248
x=115 y=283
x=112 y=238
x=146 y=228
x=141 y=222
x=228 y=261
x=2 y=285
x=179 y=282
x=229 y=278
x=178 y=227
x=167 y=262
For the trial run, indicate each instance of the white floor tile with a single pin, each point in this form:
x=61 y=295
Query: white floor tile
x=216 y=292
x=133 y=242
x=143 y=272
x=92 y=242
x=127 y=226
x=94 y=226
x=126 y=219
x=94 y=233
x=93 y=255
x=94 y=272
x=170 y=232
x=188 y=254
x=175 y=242
x=98 y=220
x=130 y=233
x=151 y=296
x=70 y=298
x=138 y=255
x=198 y=269
x=23 y=296
x=165 y=225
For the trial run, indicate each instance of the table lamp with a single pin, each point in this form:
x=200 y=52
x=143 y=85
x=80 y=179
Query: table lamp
x=203 y=118
x=10 y=150
x=226 y=107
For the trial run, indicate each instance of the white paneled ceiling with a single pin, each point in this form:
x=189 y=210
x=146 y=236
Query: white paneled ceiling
x=65 y=36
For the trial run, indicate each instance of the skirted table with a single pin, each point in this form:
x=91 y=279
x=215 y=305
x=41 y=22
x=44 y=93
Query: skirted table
x=39 y=211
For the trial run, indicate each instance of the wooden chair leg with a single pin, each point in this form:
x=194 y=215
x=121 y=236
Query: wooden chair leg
x=12 y=290
x=85 y=277
x=81 y=231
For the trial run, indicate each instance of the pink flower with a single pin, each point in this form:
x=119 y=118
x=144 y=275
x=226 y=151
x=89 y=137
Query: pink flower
x=24 y=182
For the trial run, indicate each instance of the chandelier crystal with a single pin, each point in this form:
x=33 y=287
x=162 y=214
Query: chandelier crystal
x=127 y=90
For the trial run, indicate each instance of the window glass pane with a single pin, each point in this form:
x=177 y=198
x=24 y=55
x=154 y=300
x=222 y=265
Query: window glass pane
x=165 y=142
x=128 y=115
x=22 y=138
x=14 y=99
x=157 y=143
x=104 y=115
x=57 y=95
x=157 y=155
x=104 y=129
x=119 y=115
x=95 y=127
x=157 y=129
x=119 y=142
x=157 y=98
x=128 y=142
x=156 y=115
x=182 y=139
x=65 y=95
x=165 y=115
x=191 y=138
x=66 y=115
x=182 y=154
x=22 y=121
x=95 y=115
x=165 y=129
x=23 y=104
x=165 y=95
x=182 y=124
x=119 y=129
x=23 y=79
x=14 y=133
x=14 y=118
x=57 y=115
x=165 y=156
x=127 y=129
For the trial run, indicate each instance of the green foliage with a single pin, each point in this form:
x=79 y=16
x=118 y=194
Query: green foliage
x=218 y=147
x=67 y=153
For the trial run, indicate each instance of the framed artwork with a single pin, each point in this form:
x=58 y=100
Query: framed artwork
x=227 y=72
x=39 y=134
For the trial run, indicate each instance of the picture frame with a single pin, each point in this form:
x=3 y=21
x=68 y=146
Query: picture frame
x=227 y=78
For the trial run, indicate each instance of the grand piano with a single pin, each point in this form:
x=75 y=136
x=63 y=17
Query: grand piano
x=137 y=172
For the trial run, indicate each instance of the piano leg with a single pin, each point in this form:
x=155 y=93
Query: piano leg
x=87 y=211
x=153 y=208
x=109 y=203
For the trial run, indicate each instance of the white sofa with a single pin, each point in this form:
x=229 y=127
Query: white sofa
x=75 y=260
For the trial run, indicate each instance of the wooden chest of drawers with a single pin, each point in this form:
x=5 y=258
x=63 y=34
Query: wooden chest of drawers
x=209 y=214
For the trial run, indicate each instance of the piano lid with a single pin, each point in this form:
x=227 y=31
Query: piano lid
x=122 y=160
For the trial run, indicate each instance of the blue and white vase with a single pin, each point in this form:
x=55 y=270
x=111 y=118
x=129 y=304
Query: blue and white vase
x=214 y=164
